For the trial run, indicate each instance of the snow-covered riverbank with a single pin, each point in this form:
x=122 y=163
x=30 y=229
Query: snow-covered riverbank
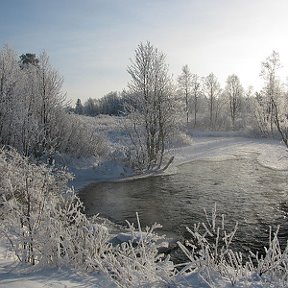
x=271 y=154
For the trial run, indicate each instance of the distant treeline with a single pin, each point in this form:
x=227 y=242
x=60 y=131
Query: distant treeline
x=111 y=104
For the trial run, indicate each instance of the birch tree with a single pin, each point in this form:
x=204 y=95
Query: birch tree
x=269 y=69
x=9 y=90
x=274 y=99
x=234 y=93
x=185 y=83
x=151 y=108
x=51 y=100
x=196 y=93
x=212 y=91
x=30 y=103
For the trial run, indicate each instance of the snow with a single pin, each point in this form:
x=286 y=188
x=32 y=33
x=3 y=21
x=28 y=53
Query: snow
x=57 y=278
x=105 y=171
x=15 y=275
x=270 y=153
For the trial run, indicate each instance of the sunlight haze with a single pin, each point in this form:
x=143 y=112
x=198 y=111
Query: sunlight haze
x=90 y=42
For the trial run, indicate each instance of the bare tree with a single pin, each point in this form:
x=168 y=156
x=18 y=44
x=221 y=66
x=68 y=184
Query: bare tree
x=269 y=70
x=51 y=101
x=151 y=108
x=234 y=92
x=262 y=114
x=28 y=115
x=9 y=89
x=196 y=93
x=212 y=91
x=185 y=83
x=272 y=102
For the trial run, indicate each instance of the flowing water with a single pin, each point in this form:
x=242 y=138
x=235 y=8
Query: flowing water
x=246 y=192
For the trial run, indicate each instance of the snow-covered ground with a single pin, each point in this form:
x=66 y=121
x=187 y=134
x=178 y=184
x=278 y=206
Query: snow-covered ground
x=271 y=153
x=12 y=276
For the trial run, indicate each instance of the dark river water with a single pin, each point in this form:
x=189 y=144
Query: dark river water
x=243 y=190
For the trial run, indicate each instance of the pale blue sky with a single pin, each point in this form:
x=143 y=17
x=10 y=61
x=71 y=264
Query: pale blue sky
x=90 y=41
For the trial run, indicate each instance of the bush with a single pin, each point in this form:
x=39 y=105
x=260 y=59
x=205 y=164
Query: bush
x=45 y=225
x=217 y=264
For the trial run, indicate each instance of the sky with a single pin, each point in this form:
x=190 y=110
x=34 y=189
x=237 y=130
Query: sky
x=91 y=42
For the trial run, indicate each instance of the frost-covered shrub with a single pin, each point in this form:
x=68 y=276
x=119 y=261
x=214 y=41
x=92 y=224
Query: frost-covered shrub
x=210 y=247
x=273 y=265
x=70 y=239
x=216 y=264
x=42 y=219
x=26 y=189
x=45 y=225
x=79 y=138
x=137 y=262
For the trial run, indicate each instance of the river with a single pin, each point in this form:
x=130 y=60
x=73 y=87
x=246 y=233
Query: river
x=246 y=192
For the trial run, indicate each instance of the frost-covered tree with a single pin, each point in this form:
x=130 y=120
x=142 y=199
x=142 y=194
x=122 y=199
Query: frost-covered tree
x=185 y=83
x=196 y=92
x=212 y=91
x=234 y=93
x=151 y=109
x=111 y=104
x=281 y=116
x=19 y=103
x=91 y=107
x=276 y=95
x=28 y=114
x=51 y=99
x=33 y=118
x=271 y=105
x=270 y=91
x=9 y=93
x=261 y=112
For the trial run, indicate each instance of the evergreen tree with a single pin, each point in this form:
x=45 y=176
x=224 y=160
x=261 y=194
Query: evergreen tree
x=79 y=107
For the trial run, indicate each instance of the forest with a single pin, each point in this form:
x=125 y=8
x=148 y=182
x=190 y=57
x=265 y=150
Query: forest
x=42 y=217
